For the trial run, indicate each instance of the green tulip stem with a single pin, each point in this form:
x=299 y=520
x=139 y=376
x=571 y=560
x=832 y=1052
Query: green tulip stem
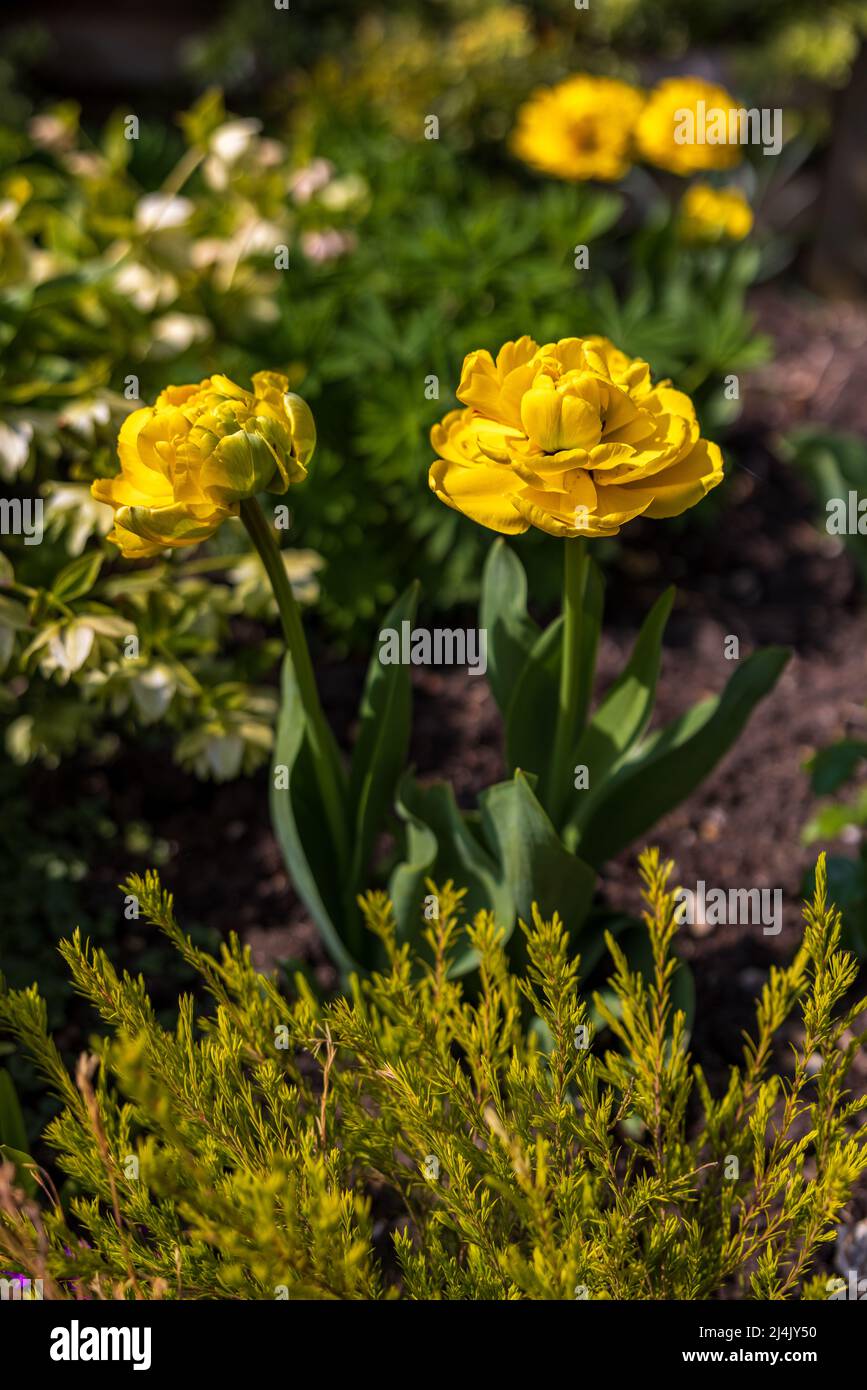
x=574 y=580
x=321 y=741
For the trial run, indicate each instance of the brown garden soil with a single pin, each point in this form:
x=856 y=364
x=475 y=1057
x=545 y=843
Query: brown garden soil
x=757 y=569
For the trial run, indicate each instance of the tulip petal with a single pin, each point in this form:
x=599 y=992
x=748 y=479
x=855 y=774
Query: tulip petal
x=677 y=489
x=241 y=465
x=170 y=526
x=483 y=492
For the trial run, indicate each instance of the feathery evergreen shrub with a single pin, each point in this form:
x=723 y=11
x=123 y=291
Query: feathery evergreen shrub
x=261 y=1152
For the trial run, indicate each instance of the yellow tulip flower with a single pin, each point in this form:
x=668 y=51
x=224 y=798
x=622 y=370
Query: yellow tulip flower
x=572 y=437
x=188 y=461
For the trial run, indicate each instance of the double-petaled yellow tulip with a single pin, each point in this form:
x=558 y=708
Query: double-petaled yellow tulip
x=188 y=461
x=572 y=437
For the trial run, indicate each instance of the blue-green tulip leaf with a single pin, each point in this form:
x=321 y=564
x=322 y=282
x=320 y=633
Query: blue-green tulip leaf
x=382 y=745
x=671 y=764
x=440 y=846
x=302 y=830
x=620 y=720
x=503 y=615
x=537 y=866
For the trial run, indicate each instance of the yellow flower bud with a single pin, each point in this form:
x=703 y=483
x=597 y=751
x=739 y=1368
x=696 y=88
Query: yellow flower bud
x=187 y=461
x=572 y=437
x=710 y=214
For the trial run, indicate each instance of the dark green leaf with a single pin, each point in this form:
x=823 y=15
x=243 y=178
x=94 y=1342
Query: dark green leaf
x=537 y=866
x=592 y=603
x=301 y=827
x=673 y=763
x=532 y=714
x=441 y=846
x=24 y=1167
x=621 y=718
x=381 y=748
x=12 y=1129
x=503 y=615
x=833 y=766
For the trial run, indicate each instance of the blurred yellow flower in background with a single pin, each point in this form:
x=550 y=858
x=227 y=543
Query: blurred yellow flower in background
x=502 y=32
x=189 y=460
x=714 y=214
x=674 y=106
x=572 y=437
x=581 y=129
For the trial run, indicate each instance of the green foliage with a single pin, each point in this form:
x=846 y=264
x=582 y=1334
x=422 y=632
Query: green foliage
x=653 y=317
x=87 y=656
x=250 y=1152
x=100 y=305
x=328 y=856
x=53 y=862
x=13 y=1135
x=541 y=836
x=466 y=54
x=776 y=41
x=835 y=466
x=831 y=769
